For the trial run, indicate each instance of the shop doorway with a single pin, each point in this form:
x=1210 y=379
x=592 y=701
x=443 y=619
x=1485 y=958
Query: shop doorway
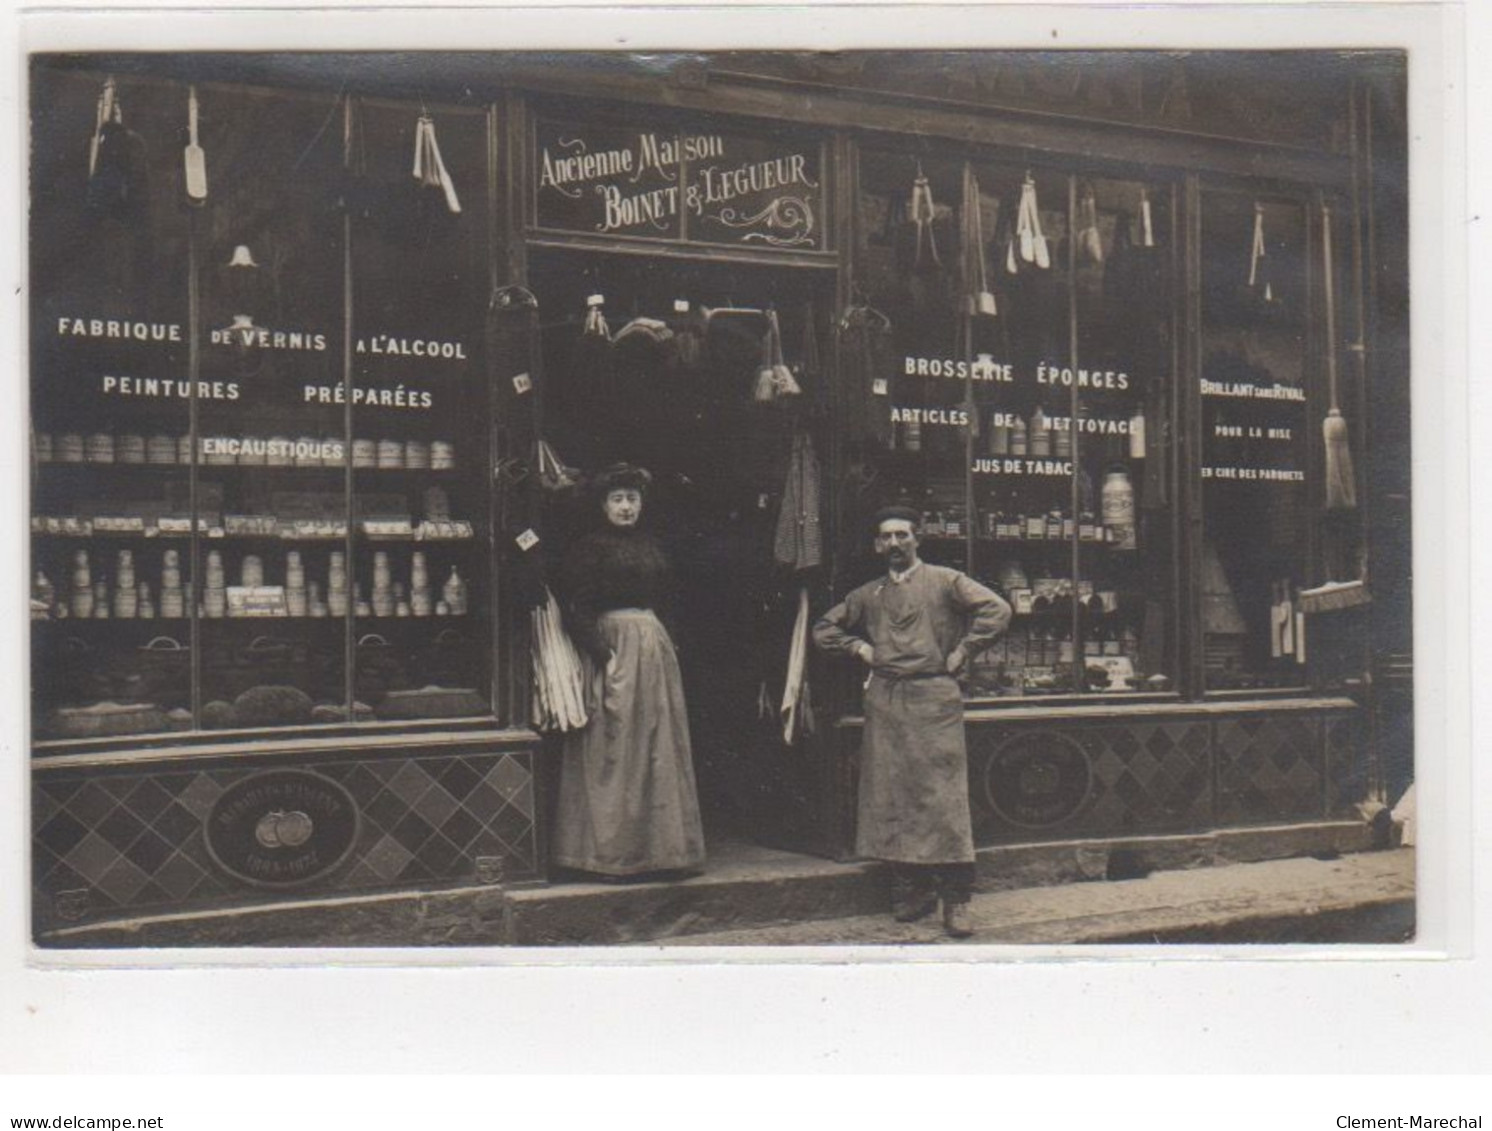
x=675 y=389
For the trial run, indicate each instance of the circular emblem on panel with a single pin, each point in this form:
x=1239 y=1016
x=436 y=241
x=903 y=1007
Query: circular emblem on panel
x=282 y=828
x=1037 y=779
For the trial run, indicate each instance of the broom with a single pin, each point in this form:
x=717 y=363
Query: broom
x=1341 y=491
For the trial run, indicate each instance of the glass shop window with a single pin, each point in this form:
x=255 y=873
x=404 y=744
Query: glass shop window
x=1256 y=429
x=111 y=513
x=229 y=560
x=418 y=574
x=1009 y=372
x=270 y=449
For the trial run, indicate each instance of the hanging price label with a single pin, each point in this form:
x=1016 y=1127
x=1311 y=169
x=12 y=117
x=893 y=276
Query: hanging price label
x=527 y=540
x=523 y=383
x=879 y=387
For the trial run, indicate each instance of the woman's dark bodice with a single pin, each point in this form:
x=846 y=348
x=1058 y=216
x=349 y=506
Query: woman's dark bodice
x=616 y=568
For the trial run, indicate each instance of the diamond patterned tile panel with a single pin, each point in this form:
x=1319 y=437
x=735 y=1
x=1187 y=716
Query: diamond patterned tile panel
x=387 y=858
x=148 y=800
x=436 y=806
x=179 y=876
x=410 y=783
x=43 y=807
x=93 y=857
x=123 y=882
x=62 y=833
x=136 y=840
x=1268 y=769
x=120 y=828
x=1146 y=776
x=508 y=776
x=1346 y=768
x=199 y=797
x=91 y=804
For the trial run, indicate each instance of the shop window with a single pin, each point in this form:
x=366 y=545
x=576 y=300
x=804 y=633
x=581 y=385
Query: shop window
x=1025 y=386
x=1256 y=430
x=419 y=569
x=241 y=581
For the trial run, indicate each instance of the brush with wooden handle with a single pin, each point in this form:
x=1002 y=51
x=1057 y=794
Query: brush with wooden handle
x=196 y=159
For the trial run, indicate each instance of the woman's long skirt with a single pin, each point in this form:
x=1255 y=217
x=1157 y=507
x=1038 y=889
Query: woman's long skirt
x=627 y=801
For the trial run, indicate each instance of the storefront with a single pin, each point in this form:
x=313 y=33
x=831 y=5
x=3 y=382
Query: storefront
x=303 y=427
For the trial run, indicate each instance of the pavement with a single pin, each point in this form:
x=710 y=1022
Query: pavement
x=1361 y=898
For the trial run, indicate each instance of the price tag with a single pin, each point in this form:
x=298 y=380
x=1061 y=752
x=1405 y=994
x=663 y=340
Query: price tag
x=523 y=383
x=879 y=387
x=681 y=306
x=527 y=540
x=595 y=300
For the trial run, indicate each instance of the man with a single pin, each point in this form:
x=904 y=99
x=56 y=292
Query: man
x=915 y=629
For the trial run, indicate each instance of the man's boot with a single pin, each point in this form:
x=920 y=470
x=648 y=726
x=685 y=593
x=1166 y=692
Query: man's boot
x=910 y=901
x=957 y=922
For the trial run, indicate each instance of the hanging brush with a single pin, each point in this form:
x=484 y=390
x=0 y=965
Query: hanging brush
x=1147 y=232
x=429 y=170
x=108 y=111
x=595 y=319
x=921 y=212
x=1090 y=243
x=978 y=296
x=196 y=159
x=1258 y=269
x=774 y=379
x=1341 y=490
x=1028 y=236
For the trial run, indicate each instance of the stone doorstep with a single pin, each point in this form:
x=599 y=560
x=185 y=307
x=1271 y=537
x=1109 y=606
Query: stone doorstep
x=757 y=887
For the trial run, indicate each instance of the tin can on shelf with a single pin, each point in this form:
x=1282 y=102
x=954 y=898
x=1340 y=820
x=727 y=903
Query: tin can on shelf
x=364 y=453
x=100 y=448
x=390 y=454
x=160 y=449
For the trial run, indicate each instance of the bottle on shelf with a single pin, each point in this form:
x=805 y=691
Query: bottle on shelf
x=1062 y=440
x=173 y=598
x=1018 y=437
x=100 y=600
x=81 y=601
x=453 y=594
x=44 y=593
x=1039 y=435
x=999 y=433
x=145 y=608
x=1119 y=509
x=1137 y=434
x=126 y=596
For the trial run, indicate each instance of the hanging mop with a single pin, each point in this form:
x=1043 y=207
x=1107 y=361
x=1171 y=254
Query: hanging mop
x=1341 y=489
x=429 y=170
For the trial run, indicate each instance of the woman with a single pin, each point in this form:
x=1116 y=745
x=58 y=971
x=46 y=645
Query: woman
x=627 y=805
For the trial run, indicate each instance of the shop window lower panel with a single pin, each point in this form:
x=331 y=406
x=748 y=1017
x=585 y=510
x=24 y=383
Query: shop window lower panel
x=1044 y=782
x=138 y=841
x=1039 y=781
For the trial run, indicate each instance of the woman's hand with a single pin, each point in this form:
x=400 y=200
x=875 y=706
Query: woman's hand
x=956 y=660
x=865 y=652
